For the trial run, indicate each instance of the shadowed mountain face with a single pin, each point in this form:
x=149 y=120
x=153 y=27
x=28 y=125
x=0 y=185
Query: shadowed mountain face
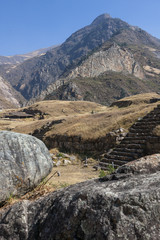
x=36 y=75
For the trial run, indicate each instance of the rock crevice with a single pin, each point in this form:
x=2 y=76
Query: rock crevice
x=112 y=209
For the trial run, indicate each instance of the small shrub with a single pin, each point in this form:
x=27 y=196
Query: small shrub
x=60 y=155
x=9 y=200
x=111 y=169
x=102 y=173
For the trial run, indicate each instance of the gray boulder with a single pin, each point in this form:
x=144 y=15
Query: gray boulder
x=24 y=161
x=124 y=206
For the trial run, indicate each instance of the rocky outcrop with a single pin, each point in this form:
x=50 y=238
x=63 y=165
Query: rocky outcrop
x=24 y=161
x=145 y=165
x=121 y=206
x=114 y=59
x=9 y=97
x=68 y=91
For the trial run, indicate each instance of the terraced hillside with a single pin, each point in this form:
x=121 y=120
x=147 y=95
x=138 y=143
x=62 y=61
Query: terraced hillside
x=79 y=126
x=137 y=142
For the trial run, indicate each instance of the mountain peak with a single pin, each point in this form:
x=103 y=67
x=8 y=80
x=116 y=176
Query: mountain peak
x=101 y=18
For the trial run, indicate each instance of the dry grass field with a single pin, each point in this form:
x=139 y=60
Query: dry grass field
x=86 y=119
x=79 y=118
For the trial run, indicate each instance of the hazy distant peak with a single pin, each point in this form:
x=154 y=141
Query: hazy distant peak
x=19 y=58
x=101 y=18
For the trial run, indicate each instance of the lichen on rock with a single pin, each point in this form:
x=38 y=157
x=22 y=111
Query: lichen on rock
x=24 y=162
x=126 y=206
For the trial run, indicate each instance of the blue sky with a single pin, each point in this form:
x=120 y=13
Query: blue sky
x=27 y=25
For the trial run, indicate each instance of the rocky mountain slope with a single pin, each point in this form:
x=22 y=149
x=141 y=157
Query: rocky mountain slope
x=105 y=47
x=9 y=97
x=42 y=71
x=104 y=89
x=113 y=71
x=114 y=58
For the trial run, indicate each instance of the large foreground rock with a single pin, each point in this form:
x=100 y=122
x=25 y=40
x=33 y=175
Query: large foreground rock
x=24 y=161
x=124 y=206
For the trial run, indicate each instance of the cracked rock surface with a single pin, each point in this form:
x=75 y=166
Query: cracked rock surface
x=24 y=161
x=120 y=208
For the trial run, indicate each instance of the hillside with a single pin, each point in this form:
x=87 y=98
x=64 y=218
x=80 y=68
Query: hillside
x=104 y=89
x=102 y=62
x=9 y=97
x=111 y=72
x=78 y=125
x=35 y=75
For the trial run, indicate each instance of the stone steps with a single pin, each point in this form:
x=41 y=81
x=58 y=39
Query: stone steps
x=133 y=146
x=133 y=132
x=116 y=163
x=124 y=153
x=138 y=141
x=147 y=121
x=120 y=157
x=152 y=117
x=129 y=150
x=121 y=152
x=142 y=126
x=137 y=134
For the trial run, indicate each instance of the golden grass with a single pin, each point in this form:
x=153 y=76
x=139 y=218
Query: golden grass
x=141 y=98
x=92 y=126
x=86 y=119
x=57 y=108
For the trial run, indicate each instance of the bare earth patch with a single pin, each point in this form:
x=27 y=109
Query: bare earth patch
x=67 y=175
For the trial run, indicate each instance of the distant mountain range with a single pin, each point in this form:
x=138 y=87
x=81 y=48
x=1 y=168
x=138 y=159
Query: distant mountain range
x=104 y=61
x=16 y=59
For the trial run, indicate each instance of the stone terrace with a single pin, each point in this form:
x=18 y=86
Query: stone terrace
x=137 y=142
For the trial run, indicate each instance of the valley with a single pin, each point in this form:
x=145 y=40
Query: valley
x=80 y=137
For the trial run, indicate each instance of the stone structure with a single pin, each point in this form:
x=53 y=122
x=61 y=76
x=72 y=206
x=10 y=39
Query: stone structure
x=76 y=144
x=137 y=143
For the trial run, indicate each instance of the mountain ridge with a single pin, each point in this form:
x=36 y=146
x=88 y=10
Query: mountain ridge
x=35 y=75
x=50 y=66
x=19 y=58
